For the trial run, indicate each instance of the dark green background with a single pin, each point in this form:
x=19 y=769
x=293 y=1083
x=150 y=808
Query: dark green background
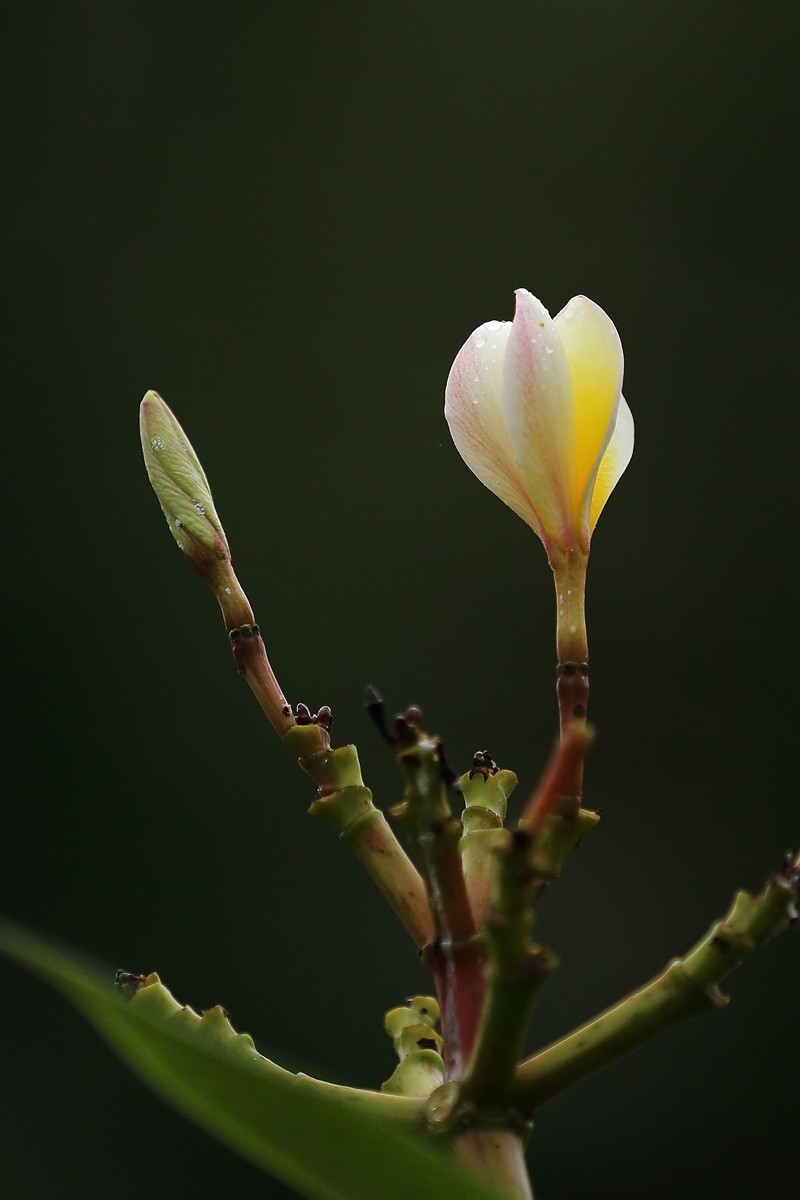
x=287 y=219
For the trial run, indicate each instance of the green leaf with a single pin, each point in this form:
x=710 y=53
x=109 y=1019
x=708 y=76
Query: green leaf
x=325 y=1141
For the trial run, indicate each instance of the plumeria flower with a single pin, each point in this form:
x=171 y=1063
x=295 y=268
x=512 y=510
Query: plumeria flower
x=536 y=411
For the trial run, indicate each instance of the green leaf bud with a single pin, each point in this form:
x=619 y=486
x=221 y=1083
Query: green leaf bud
x=418 y=1046
x=417 y=1037
x=419 y=1074
x=426 y=1008
x=419 y=1011
x=180 y=484
x=398 y=1019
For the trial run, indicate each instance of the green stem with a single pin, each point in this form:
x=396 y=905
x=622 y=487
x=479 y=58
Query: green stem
x=569 y=575
x=344 y=801
x=563 y=830
x=686 y=988
x=516 y=972
x=485 y=791
x=435 y=834
x=484 y=834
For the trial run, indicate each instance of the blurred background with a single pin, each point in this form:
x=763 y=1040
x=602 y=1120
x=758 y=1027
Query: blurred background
x=287 y=220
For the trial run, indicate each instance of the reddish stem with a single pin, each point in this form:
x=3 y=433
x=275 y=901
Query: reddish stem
x=572 y=691
x=459 y=972
x=457 y=956
x=572 y=686
x=246 y=642
x=251 y=658
x=559 y=779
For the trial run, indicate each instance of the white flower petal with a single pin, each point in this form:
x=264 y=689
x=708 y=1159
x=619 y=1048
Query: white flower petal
x=474 y=411
x=536 y=411
x=539 y=413
x=614 y=461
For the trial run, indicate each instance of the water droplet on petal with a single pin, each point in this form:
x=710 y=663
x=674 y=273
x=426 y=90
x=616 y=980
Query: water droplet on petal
x=480 y=340
x=157 y=443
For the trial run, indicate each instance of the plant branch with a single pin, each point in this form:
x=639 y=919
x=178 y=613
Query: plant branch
x=498 y=1156
x=344 y=801
x=516 y=972
x=485 y=789
x=558 y=777
x=456 y=954
x=686 y=988
x=183 y=491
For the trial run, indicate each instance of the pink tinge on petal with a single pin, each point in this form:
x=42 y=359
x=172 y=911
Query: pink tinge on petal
x=474 y=413
x=539 y=416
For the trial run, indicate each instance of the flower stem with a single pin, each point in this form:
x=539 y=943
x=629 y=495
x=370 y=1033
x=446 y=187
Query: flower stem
x=569 y=574
x=572 y=679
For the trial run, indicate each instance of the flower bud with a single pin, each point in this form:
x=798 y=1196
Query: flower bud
x=535 y=409
x=180 y=484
